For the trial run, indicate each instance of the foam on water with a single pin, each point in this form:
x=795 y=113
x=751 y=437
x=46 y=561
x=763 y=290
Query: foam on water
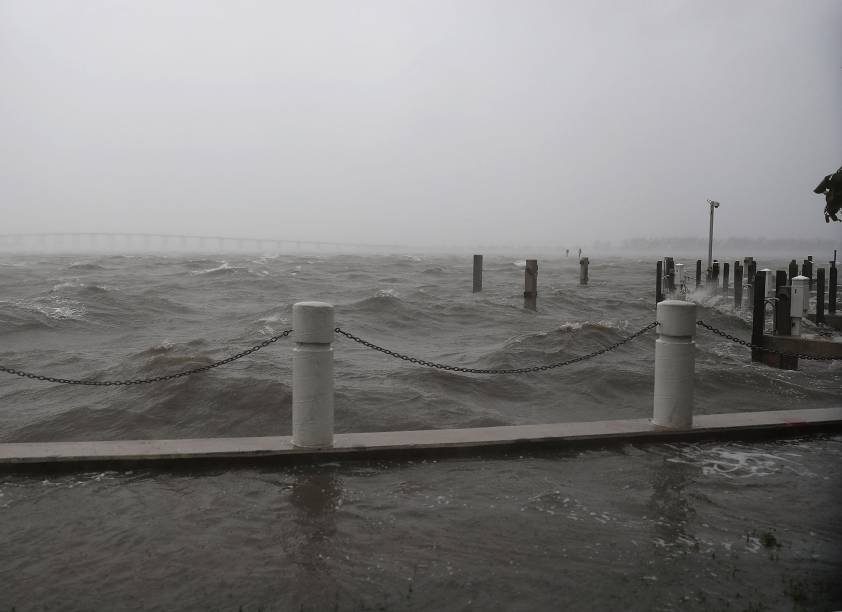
x=56 y=308
x=737 y=462
x=224 y=268
x=388 y=293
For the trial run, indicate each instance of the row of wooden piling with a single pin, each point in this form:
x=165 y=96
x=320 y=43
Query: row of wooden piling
x=790 y=306
x=530 y=283
x=788 y=290
x=718 y=281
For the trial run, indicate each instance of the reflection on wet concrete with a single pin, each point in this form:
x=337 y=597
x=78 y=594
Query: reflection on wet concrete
x=670 y=506
x=314 y=499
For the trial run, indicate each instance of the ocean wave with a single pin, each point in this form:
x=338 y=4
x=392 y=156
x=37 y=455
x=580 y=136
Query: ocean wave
x=602 y=325
x=53 y=308
x=76 y=287
x=384 y=300
x=223 y=269
x=217 y=406
x=167 y=357
x=85 y=266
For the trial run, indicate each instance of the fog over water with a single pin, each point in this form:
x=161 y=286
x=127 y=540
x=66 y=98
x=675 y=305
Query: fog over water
x=425 y=122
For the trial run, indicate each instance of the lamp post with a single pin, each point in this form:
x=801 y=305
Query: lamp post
x=710 y=239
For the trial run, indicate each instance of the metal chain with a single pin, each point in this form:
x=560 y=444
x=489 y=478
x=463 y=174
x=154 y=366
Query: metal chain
x=763 y=348
x=143 y=381
x=449 y=368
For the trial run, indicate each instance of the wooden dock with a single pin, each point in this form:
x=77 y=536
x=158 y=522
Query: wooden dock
x=121 y=454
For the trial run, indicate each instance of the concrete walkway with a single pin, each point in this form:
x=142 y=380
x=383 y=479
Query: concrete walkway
x=29 y=456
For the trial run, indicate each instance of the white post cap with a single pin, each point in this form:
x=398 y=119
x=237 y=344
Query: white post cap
x=676 y=318
x=313 y=322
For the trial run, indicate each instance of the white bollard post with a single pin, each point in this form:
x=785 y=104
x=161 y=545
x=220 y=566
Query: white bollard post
x=799 y=294
x=312 y=375
x=680 y=279
x=675 y=361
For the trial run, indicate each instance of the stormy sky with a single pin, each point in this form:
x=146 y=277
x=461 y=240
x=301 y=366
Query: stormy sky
x=421 y=122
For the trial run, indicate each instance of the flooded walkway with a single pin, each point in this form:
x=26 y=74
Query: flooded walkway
x=678 y=526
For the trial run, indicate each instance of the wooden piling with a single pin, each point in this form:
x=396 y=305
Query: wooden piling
x=780 y=281
x=820 y=296
x=477 y=273
x=715 y=276
x=807 y=270
x=793 y=269
x=669 y=271
x=749 y=271
x=698 y=273
x=725 y=275
x=783 y=327
x=659 y=279
x=758 y=314
x=530 y=286
x=738 y=286
x=583 y=270
x=831 y=289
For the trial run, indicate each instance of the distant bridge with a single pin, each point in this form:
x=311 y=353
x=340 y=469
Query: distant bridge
x=55 y=242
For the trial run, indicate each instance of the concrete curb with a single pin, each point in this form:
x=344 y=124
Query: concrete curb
x=119 y=454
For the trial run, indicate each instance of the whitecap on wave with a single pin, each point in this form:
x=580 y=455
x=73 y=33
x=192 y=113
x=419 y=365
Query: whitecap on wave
x=738 y=461
x=387 y=293
x=570 y=326
x=56 y=308
x=223 y=268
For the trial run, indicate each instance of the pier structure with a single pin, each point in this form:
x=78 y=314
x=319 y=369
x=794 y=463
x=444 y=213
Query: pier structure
x=781 y=344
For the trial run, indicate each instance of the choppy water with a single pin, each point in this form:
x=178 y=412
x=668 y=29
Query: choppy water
x=702 y=527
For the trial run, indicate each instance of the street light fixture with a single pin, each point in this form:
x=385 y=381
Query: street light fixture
x=713 y=205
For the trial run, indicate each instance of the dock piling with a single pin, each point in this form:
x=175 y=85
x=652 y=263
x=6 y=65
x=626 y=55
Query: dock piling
x=669 y=272
x=793 y=269
x=807 y=270
x=659 y=282
x=820 y=296
x=738 y=286
x=477 y=273
x=583 y=270
x=530 y=285
x=758 y=315
x=770 y=282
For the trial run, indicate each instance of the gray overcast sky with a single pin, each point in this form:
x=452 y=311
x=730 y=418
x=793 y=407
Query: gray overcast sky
x=431 y=121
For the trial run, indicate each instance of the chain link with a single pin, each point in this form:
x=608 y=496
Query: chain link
x=808 y=356
x=449 y=368
x=143 y=381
